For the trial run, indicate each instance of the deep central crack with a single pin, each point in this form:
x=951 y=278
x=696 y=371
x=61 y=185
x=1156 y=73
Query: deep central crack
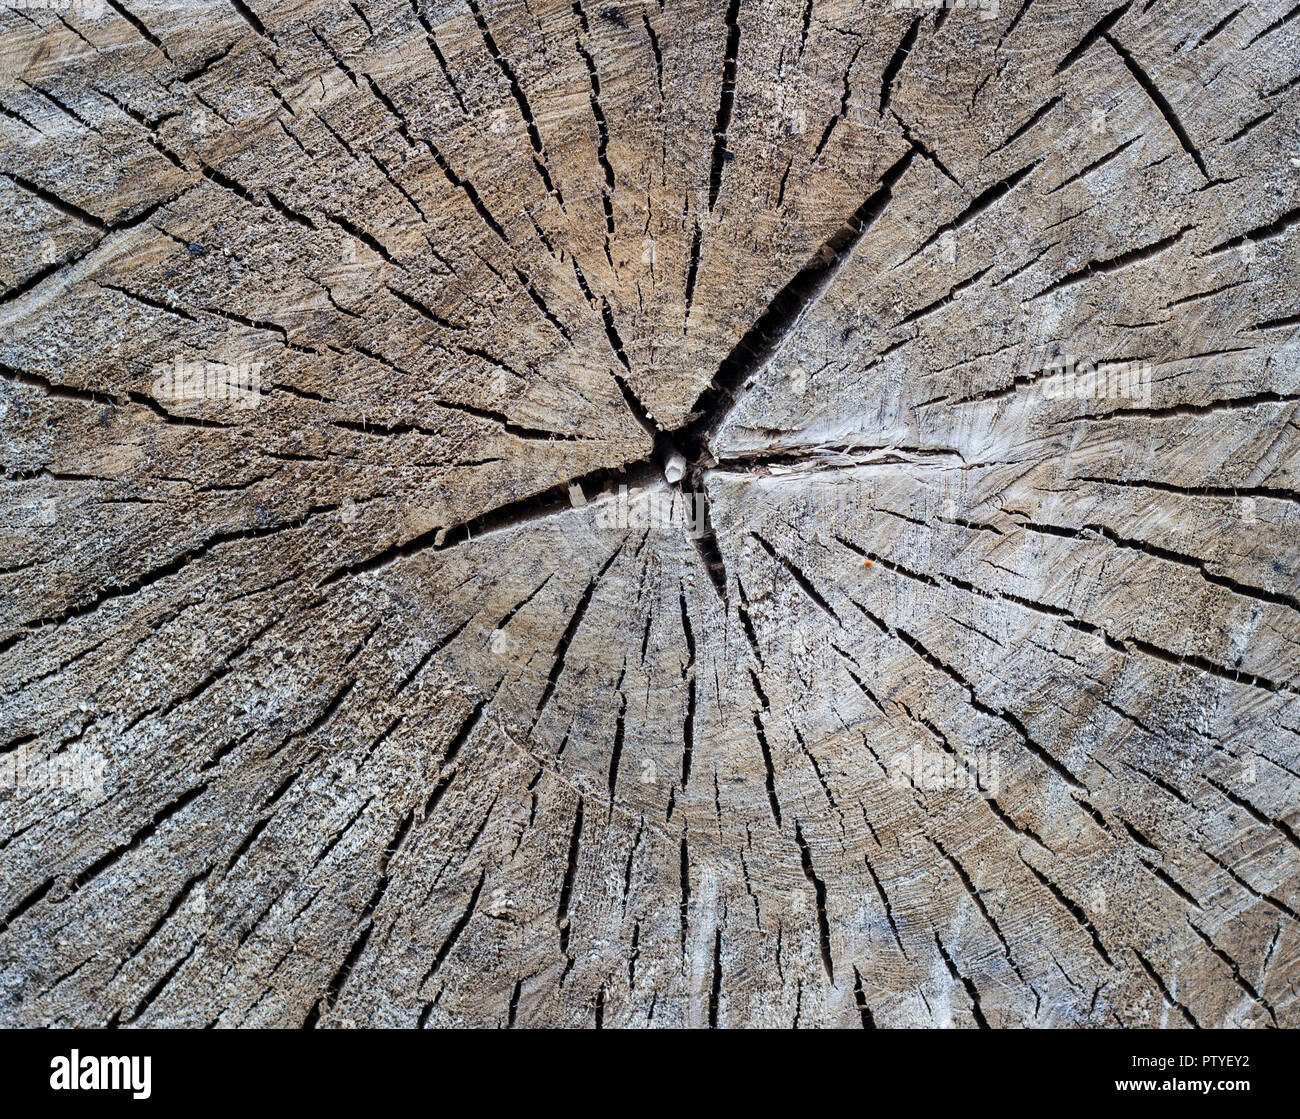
x=681 y=456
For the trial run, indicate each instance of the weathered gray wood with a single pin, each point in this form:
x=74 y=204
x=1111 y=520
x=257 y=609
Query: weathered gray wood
x=374 y=685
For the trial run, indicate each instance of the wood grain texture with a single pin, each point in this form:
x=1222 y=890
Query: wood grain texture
x=629 y=563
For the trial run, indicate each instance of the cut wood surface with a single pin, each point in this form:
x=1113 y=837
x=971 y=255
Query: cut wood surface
x=534 y=513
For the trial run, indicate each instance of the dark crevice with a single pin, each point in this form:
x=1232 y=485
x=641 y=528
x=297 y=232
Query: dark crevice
x=966 y=982
x=1073 y=908
x=136 y=22
x=1275 y=822
x=151 y=996
x=726 y=101
x=884 y=901
x=761 y=340
x=844 y=106
x=692 y=270
x=1175 y=887
x=616 y=752
x=1112 y=264
x=461 y=924
x=517 y=92
x=174 y=566
x=173 y=906
x=1271 y=324
x=512 y=1013
x=1214 y=31
x=859 y=996
x=1248 y=127
x=805 y=584
x=688 y=631
x=509 y=614
x=464 y=732
x=1042 y=111
x=1232 y=964
x=1235 y=676
x=769 y=772
x=1015 y=22
x=1229 y=492
x=1277 y=23
x=658 y=54
x=67 y=209
x=1275 y=228
x=251 y=18
x=422 y=309
x=602 y=127
x=688 y=732
x=785 y=178
x=432 y=40
x=715 y=987
x=1161 y=103
x=32 y=899
x=861 y=683
x=366 y=924
x=1094 y=165
x=361 y=15
x=570 y=631
x=510 y=515
x=616 y=345
x=206 y=64
x=1277 y=903
x=470 y=192
x=747 y=622
x=1156 y=978
x=238 y=189
x=1096 y=32
x=925 y=150
x=979 y=705
x=684 y=880
x=944 y=300
x=974 y=893
x=157 y=820
x=705 y=541
x=895 y=64
x=1260 y=594
x=540 y=303
x=817 y=770
x=562 y=923
x=819 y=890
x=59 y=391
x=980 y=203
x=371 y=427
x=170 y=417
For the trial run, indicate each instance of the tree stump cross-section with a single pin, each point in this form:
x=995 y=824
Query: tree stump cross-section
x=649 y=513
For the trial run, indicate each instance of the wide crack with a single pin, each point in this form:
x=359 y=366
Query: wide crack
x=684 y=455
